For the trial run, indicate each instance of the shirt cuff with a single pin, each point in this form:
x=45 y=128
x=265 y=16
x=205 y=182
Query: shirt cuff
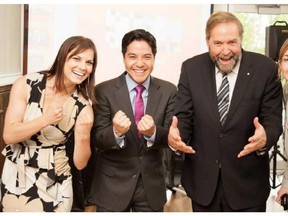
x=150 y=140
x=261 y=151
x=174 y=150
x=119 y=140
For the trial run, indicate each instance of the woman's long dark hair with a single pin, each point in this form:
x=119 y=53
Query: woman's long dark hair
x=78 y=44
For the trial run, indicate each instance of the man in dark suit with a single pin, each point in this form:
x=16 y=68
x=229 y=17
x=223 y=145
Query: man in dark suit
x=226 y=165
x=129 y=171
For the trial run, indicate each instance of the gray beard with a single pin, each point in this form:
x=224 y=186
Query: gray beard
x=227 y=69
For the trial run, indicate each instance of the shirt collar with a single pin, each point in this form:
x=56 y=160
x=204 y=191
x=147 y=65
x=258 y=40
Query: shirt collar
x=132 y=84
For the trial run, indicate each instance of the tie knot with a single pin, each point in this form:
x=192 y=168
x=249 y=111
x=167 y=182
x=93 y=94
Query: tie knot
x=139 y=88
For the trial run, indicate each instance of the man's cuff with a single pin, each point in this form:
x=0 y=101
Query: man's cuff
x=119 y=140
x=150 y=140
x=261 y=151
x=174 y=150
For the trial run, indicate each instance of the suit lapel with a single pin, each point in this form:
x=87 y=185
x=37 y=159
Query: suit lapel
x=210 y=81
x=122 y=98
x=244 y=76
x=154 y=96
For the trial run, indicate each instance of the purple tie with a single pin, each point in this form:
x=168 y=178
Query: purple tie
x=139 y=104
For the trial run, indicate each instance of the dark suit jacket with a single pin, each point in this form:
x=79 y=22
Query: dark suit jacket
x=118 y=169
x=257 y=93
x=81 y=179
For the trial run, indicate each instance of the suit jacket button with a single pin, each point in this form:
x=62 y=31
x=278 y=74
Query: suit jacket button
x=140 y=157
x=134 y=176
x=221 y=135
x=219 y=163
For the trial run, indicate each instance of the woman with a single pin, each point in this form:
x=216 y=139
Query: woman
x=283 y=74
x=44 y=109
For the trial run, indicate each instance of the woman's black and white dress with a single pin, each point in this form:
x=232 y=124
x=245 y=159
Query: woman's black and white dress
x=36 y=174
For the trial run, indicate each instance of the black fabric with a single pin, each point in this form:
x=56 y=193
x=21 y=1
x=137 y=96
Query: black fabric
x=221 y=204
x=81 y=180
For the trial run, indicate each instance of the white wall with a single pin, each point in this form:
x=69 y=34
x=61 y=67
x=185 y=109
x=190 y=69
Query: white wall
x=178 y=28
x=10 y=42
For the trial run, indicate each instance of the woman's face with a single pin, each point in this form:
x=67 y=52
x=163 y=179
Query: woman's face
x=79 y=66
x=283 y=65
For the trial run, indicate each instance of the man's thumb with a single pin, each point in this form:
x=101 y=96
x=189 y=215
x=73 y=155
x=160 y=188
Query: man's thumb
x=256 y=122
x=174 y=122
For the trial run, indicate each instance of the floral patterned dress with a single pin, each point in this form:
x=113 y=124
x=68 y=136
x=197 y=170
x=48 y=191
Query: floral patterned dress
x=36 y=174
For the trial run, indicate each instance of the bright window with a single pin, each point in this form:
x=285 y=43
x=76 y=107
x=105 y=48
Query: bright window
x=255 y=29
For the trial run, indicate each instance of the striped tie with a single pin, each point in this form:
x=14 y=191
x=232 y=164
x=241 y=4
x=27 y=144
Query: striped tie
x=223 y=98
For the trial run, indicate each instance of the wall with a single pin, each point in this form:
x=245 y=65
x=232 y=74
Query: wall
x=10 y=42
x=10 y=58
x=178 y=28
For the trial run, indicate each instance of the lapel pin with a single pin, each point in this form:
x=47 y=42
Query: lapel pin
x=248 y=74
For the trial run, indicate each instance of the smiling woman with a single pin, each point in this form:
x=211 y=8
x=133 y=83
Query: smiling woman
x=45 y=109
